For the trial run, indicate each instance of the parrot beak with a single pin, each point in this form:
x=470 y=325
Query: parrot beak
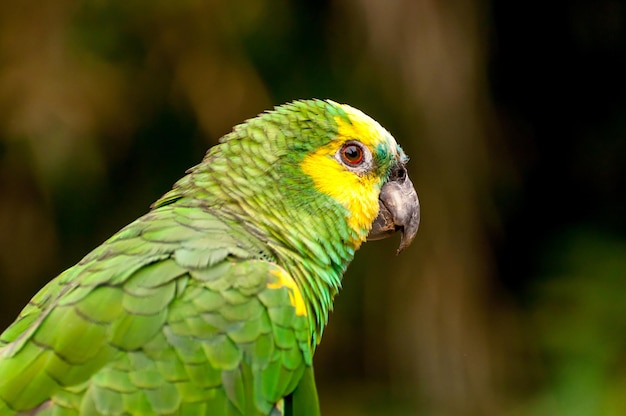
x=399 y=209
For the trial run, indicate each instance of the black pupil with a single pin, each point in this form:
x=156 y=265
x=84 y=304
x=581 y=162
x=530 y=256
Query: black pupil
x=352 y=153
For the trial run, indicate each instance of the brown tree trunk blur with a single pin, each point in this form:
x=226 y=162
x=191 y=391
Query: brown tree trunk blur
x=443 y=341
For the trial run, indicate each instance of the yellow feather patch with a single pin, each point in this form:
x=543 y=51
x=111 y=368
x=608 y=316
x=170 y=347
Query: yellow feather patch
x=362 y=128
x=358 y=193
x=295 y=296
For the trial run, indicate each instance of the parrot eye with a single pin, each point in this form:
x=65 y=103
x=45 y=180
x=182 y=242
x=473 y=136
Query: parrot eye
x=351 y=154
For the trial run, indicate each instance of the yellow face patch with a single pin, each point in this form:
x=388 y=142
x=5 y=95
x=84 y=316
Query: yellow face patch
x=295 y=296
x=357 y=193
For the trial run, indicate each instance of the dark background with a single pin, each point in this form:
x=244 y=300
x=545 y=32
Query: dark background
x=510 y=301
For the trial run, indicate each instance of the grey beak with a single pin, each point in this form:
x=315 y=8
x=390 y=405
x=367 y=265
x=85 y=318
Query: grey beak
x=399 y=209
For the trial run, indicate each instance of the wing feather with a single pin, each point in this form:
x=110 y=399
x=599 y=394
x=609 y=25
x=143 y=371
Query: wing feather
x=163 y=317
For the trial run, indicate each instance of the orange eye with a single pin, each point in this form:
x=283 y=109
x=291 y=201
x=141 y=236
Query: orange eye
x=352 y=154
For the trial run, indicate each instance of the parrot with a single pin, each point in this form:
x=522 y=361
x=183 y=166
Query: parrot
x=214 y=301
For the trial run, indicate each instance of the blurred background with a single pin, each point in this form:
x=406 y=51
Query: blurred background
x=510 y=301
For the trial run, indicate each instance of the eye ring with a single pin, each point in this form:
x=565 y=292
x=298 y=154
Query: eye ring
x=352 y=154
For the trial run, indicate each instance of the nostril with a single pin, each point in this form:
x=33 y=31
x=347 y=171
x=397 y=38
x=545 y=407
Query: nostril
x=401 y=173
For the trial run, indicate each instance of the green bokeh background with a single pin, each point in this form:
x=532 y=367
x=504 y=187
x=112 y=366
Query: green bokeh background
x=510 y=301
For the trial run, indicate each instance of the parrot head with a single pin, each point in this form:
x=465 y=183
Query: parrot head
x=362 y=167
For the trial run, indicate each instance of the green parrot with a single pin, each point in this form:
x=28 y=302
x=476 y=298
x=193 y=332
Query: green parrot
x=214 y=301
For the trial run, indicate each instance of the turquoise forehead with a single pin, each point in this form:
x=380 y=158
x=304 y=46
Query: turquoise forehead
x=390 y=149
